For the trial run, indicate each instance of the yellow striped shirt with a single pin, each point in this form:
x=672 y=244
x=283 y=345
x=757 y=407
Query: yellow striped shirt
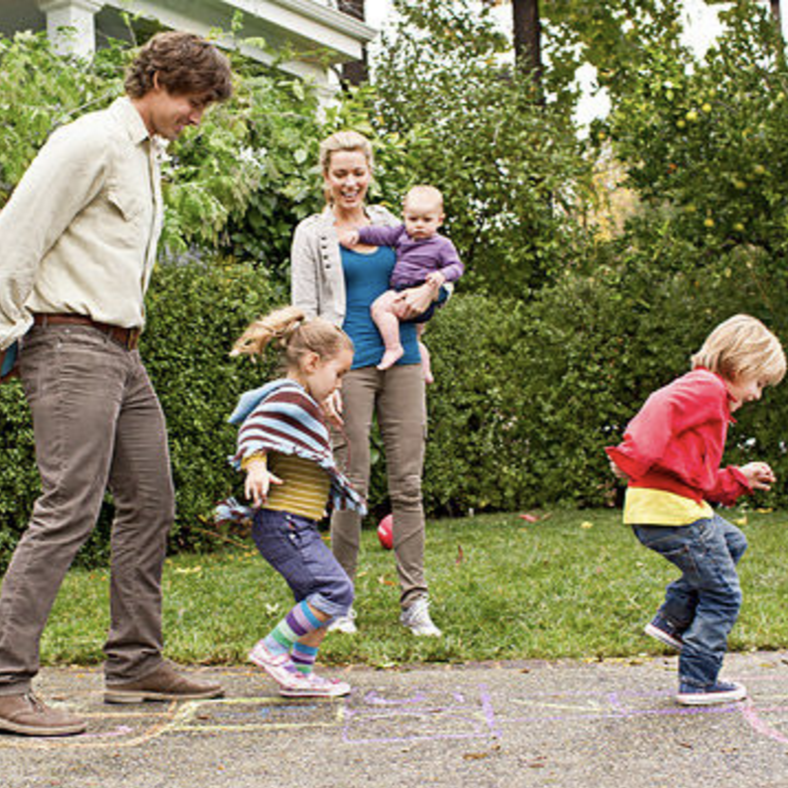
x=646 y=506
x=304 y=490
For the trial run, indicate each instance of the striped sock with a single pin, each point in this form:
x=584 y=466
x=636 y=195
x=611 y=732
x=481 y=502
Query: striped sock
x=298 y=622
x=303 y=657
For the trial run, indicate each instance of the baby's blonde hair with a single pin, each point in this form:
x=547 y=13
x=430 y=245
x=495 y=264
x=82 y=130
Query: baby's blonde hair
x=742 y=347
x=295 y=335
x=423 y=193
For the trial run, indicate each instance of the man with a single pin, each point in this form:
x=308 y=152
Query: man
x=77 y=245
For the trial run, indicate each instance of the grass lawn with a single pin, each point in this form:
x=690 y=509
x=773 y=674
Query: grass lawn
x=572 y=584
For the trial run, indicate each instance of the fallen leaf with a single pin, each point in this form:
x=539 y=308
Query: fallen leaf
x=585 y=524
x=741 y=520
x=765 y=511
x=475 y=756
x=384 y=581
x=460 y=555
x=183 y=570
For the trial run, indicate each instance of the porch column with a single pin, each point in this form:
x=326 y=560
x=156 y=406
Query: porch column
x=71 y=25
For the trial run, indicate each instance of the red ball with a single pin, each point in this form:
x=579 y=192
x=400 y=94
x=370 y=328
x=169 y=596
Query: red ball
x=385 y=533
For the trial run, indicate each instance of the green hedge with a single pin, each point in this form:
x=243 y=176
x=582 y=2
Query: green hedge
x=525 y=399
x=528 y=395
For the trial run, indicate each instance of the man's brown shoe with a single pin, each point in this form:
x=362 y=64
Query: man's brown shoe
x=30 y=716
x=161 y=684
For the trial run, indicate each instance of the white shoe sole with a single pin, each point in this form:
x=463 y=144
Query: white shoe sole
x=712 y=698
x=662 y=637
x=338 y=692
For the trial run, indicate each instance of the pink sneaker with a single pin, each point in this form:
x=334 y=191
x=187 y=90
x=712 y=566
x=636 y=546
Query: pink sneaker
x=314 y=686
x=278 y=666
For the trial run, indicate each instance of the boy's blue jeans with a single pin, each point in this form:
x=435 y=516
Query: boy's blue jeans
x=704 y=602
x=294 y=548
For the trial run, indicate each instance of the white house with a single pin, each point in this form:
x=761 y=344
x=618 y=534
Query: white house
x=317 y=33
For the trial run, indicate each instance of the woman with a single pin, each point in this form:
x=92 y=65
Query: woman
x=340 y=285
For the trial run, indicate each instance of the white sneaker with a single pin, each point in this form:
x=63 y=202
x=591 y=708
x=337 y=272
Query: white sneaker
x=417 y=618
x=346 y=624
x=310 y=685
x=278 y=666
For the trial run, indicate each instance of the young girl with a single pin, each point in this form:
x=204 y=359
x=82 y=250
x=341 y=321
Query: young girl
x=671 y=458
x=284 y=448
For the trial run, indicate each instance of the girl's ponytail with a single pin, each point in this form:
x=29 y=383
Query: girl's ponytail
x=278 y=325
x=294 y=334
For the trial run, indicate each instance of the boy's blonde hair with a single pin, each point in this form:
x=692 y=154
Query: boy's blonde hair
x=295 y=335
x=742 y=347
x=423 y=193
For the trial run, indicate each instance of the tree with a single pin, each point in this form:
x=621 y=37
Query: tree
x=527 y=29
x=510 y=169
x=708 y=140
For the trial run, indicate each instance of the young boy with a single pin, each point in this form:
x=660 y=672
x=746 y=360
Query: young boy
x=671 y=458
x=422 y=256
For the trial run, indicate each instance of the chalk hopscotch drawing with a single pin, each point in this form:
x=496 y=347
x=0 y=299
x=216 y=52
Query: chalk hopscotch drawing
x=401 y=715
x=421 y=716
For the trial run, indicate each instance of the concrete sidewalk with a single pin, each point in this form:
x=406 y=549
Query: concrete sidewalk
x=565 y=724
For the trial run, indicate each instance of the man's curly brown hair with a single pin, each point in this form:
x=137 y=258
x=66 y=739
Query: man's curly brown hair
x=184 y=63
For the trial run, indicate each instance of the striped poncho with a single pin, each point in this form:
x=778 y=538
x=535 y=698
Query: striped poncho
x=281 y=417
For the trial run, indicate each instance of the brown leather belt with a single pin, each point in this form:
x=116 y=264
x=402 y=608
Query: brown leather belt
x=125 y=337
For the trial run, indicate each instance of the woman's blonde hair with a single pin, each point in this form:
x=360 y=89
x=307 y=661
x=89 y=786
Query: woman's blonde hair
x=742 y=347
x=295 y=336
x=349 y=141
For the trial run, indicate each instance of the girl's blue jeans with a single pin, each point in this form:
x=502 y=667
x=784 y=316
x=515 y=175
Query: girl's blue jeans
x=293 y=546
x=704 y=602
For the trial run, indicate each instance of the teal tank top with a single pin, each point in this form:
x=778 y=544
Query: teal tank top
x=366 y=277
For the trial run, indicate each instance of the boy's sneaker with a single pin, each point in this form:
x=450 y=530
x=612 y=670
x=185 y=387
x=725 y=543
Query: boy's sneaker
x=278 y=666
x=346 y=624
x=310 y=685
x=719 y=692
x=417 y=618
x=665 y=632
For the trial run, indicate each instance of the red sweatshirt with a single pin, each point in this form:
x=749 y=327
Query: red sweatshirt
x=676 y=441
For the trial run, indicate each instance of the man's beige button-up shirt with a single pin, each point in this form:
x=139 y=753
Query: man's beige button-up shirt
x=80 y=231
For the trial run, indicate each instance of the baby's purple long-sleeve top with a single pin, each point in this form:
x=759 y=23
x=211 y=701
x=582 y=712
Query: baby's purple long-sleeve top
x=415 y=259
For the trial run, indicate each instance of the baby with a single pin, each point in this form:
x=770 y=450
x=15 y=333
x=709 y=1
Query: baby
x=422 y=256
